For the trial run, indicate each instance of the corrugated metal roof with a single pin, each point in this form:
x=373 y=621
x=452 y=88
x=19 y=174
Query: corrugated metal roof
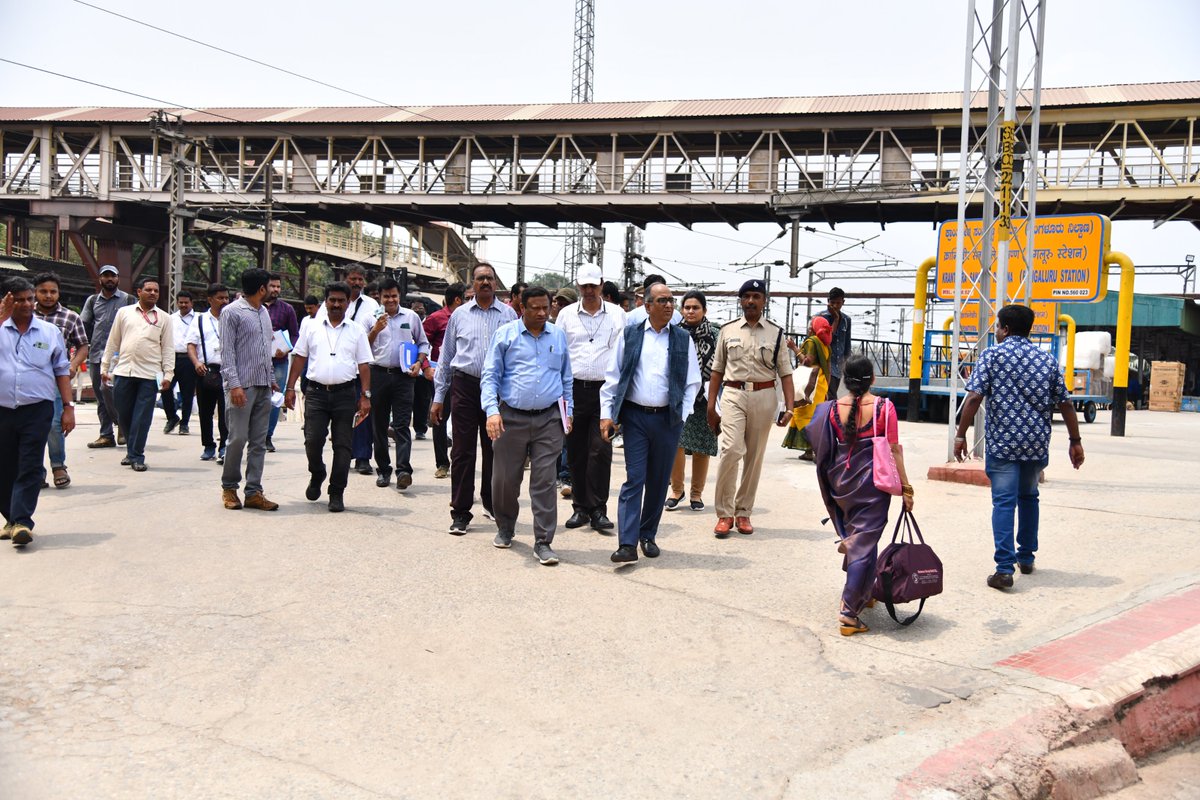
x=1121 y=94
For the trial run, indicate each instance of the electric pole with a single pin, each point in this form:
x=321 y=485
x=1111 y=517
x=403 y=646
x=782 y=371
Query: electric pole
x=170 y=127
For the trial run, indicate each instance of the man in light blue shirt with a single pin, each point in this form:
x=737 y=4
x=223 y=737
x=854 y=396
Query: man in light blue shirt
x=33 y=370
x=526 y=392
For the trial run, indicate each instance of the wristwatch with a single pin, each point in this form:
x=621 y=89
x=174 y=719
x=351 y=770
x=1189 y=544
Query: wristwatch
x=367 y=394
x=69 y=405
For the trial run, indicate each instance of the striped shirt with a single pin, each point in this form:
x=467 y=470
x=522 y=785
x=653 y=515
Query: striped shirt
x=466 y=343
x=247 y=344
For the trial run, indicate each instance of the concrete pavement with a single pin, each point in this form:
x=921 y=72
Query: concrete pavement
x=155 y=644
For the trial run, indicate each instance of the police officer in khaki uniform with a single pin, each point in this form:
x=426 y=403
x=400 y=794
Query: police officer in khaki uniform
x=750 y=354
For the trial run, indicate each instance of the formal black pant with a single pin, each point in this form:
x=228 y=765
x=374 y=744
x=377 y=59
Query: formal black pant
x=329 y=413
x=470 y=426
x=23 y=434
x=422 y=397
x=210 y=400
x=392 y=407
x=185 y=379
x=589 y=456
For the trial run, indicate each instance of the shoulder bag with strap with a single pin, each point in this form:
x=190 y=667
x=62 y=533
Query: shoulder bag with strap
x=907 y=570
x=212 y=376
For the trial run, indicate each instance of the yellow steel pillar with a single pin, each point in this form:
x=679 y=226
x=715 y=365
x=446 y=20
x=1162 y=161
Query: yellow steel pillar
x=1124 y=330
x=916 y=354
x=1069 y=322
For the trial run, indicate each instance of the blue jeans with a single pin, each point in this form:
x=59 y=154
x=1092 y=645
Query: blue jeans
x=650 y=442
x=281 y=371
x=57 y=443
x=1014 y=488
x=134 y=399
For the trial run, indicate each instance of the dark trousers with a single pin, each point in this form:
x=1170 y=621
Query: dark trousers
x=104 y=401
x=392 y=406
x=470 y=426
x=23 y=434
x=834 y=382
x=210 y=400
x=650 y=442
x=441 y=439
x=588 y=454
x=362 y=437
x=540 y=436
x=185 y=379
x=329 y=413
x=422 y=397
x=134 y=399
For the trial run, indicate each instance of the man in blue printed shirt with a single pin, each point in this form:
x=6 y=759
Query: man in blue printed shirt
x=33 y=372
x=1022 y=384
x=526 y=372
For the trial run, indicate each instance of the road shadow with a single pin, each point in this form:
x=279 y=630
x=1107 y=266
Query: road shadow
x=1062 y=578
x=929 y=627
x=84 y=488
x=65 y=541
x=670 y=559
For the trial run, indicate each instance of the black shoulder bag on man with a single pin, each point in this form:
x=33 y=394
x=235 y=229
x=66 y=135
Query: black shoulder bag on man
x=212 y=377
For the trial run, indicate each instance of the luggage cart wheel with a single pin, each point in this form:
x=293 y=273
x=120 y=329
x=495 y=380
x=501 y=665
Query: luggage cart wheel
x=1089 y=411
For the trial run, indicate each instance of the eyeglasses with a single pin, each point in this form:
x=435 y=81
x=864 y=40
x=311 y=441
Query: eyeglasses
x=664 y=301
x=488 y=278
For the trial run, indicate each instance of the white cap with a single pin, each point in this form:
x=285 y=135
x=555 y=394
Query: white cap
x=109 y=268
x=589 y=274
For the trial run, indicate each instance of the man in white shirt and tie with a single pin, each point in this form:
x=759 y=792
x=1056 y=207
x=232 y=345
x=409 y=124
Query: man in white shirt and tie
x=592 y=328
x=336 y=355
x=394 y=373
x=185 y=377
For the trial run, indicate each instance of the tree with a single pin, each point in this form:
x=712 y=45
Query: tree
x=549 y=280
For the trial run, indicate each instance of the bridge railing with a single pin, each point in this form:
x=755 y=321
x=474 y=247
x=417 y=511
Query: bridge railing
x=1129 y=154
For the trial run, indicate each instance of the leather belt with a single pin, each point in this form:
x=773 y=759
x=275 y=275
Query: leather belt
x=530 y=412
x=392 y=370
x=588 y=384
x=749 y=386
x=336 y=387
x=646 y=409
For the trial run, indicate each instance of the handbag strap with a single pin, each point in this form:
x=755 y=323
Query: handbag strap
x=886 y=578
x=203 y=349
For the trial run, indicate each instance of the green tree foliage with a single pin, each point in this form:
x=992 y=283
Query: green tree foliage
x=549 y=280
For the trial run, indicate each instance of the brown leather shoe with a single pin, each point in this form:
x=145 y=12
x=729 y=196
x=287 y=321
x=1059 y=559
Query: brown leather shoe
x=744 y=526
x=261 y=502
x=724 y=526
x=230 y=498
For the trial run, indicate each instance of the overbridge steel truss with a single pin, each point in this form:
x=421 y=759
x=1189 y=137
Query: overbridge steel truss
x=1128 y=161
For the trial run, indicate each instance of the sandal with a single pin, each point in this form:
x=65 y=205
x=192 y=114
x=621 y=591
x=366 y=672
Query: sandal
x=848 y=626
x=61 y=479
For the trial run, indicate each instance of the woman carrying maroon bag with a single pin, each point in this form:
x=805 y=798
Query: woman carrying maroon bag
x=841 y=434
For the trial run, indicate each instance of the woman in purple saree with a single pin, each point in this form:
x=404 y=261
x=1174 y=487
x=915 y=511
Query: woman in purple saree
x=841 y=432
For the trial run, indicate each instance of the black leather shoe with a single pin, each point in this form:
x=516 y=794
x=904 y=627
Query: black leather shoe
x=335 y=502
x=1026 y=569
x=578 y=520
x=650 y=549
x=126 y=461
x=1000 y=580
x=602 y=523
x=313 y=492
x=363 y=466
x=625 y=554
x=384 y=479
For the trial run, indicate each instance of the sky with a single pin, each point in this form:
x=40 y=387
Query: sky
x=471 y=51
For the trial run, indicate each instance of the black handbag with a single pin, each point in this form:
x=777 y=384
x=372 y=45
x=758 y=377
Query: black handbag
x=211 y=379
x=907 y=570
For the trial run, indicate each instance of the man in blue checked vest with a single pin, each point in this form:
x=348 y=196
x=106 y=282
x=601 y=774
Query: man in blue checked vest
x=653 y=376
